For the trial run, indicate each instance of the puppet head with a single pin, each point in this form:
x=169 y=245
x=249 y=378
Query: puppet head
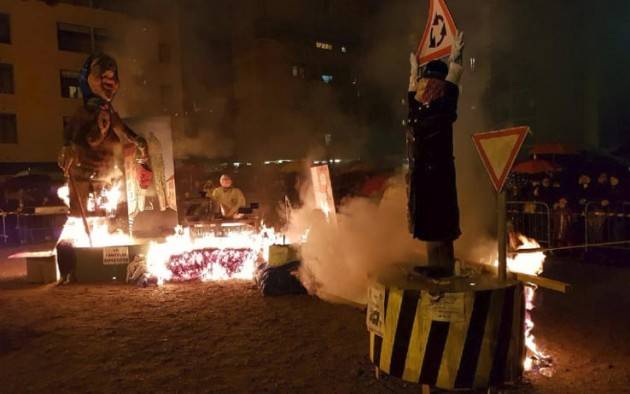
x=99 y=79
x=435 y=69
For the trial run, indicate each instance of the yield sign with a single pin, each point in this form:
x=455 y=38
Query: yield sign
x=438 y=35
x=498 y=150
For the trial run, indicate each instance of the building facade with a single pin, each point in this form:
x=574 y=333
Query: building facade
x=283 y=79
x=43 y=45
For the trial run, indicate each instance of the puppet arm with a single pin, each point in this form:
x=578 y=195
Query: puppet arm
x=456 y=68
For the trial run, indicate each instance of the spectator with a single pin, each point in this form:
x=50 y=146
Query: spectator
x=615 y=193
x=543 y=192
x=561 y=222
x=600 y=189
x=583 y=194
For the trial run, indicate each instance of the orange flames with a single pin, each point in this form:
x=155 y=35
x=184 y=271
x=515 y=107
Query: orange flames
x=184 y=242
x=107 y=200
x=530 y=264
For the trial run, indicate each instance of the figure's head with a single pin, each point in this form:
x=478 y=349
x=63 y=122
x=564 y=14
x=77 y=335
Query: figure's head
x=584 y=180
x=99 y=77
x=225 y=180
x=435 y=69
x=562 y=203
x=546 y=182
x=602 y=178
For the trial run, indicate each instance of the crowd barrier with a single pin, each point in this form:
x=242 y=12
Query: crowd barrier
x=554 y=227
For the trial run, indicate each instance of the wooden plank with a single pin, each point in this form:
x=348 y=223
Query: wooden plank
x=546 y=283
x=540 y=281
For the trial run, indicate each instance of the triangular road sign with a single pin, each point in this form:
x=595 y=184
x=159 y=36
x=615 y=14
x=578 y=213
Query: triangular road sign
x=498 y=150
x=438 y=35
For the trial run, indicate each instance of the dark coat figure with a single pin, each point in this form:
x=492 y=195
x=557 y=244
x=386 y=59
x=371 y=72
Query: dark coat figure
x=433 y=208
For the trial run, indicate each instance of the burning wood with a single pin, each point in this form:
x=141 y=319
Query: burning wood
x=529 y=264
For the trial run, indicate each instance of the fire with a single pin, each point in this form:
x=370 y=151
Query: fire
x=107 y=200
x=232 y=254
x=74 y=233
x=527 y=263
x=530 y=264
x=64 y=194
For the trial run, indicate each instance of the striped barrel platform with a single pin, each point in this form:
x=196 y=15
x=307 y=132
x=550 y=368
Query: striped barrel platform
x=465 y=334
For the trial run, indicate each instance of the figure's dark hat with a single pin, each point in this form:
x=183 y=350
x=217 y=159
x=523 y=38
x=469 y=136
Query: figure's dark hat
x=435 y=69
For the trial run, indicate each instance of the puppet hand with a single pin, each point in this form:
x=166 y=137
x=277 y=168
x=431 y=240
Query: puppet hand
x=457 y=48
x=413 y=61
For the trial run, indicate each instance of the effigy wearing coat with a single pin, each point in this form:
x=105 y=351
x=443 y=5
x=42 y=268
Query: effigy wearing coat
x=432 y=204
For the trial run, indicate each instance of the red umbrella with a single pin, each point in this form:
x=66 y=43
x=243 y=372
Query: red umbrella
x=535 y=167
x=553 y=149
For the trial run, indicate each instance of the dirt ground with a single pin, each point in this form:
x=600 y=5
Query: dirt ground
x=224 y=337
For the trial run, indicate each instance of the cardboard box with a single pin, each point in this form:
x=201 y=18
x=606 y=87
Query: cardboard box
x=42 y=269
x=41 y=266
x=280 y=255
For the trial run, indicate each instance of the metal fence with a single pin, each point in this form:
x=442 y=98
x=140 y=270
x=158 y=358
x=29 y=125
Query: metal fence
x=532 y=219
x=595 y=224
x=606 y=224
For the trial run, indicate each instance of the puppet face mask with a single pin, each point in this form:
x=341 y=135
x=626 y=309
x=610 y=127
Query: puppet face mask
x=103 y=78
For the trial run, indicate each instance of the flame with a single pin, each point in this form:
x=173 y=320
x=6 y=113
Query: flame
x=64 y=194
x=530 y=264
x=527 y=263
x=74 y=233
x=219 y=255
x=110 y=198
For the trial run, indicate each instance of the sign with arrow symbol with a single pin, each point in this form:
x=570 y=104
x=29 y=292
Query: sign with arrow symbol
x=439 y=33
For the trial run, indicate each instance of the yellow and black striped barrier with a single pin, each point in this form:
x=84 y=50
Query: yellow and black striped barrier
x=462 y=335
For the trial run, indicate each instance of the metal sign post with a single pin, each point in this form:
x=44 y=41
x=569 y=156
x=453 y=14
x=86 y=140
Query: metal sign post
x=498 y=151
x=502 y=234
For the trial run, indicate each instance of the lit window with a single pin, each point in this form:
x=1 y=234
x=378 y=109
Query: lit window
x=324 y=45
x=327 y=78
x=70 y=84
x=8 y=129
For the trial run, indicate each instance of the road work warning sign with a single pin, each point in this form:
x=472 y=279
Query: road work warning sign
x=439 y=34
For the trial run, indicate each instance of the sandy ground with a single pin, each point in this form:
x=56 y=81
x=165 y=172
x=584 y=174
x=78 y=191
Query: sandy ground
x=225 y=337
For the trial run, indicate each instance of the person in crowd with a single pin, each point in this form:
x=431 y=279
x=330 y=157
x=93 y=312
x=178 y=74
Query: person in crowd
x=543 y=192
x=562 y=221
x=229 y=199
x=600 y=188
x=584 y=192
x=615 y=192
x=207 y=189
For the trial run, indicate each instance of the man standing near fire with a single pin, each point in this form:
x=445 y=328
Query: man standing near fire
x=432 y=206
x=92 y=153
x=228 y=198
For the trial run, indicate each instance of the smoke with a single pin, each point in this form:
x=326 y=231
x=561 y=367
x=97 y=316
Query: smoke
x=205 y=144
x=340 y=260
x=372 y=238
